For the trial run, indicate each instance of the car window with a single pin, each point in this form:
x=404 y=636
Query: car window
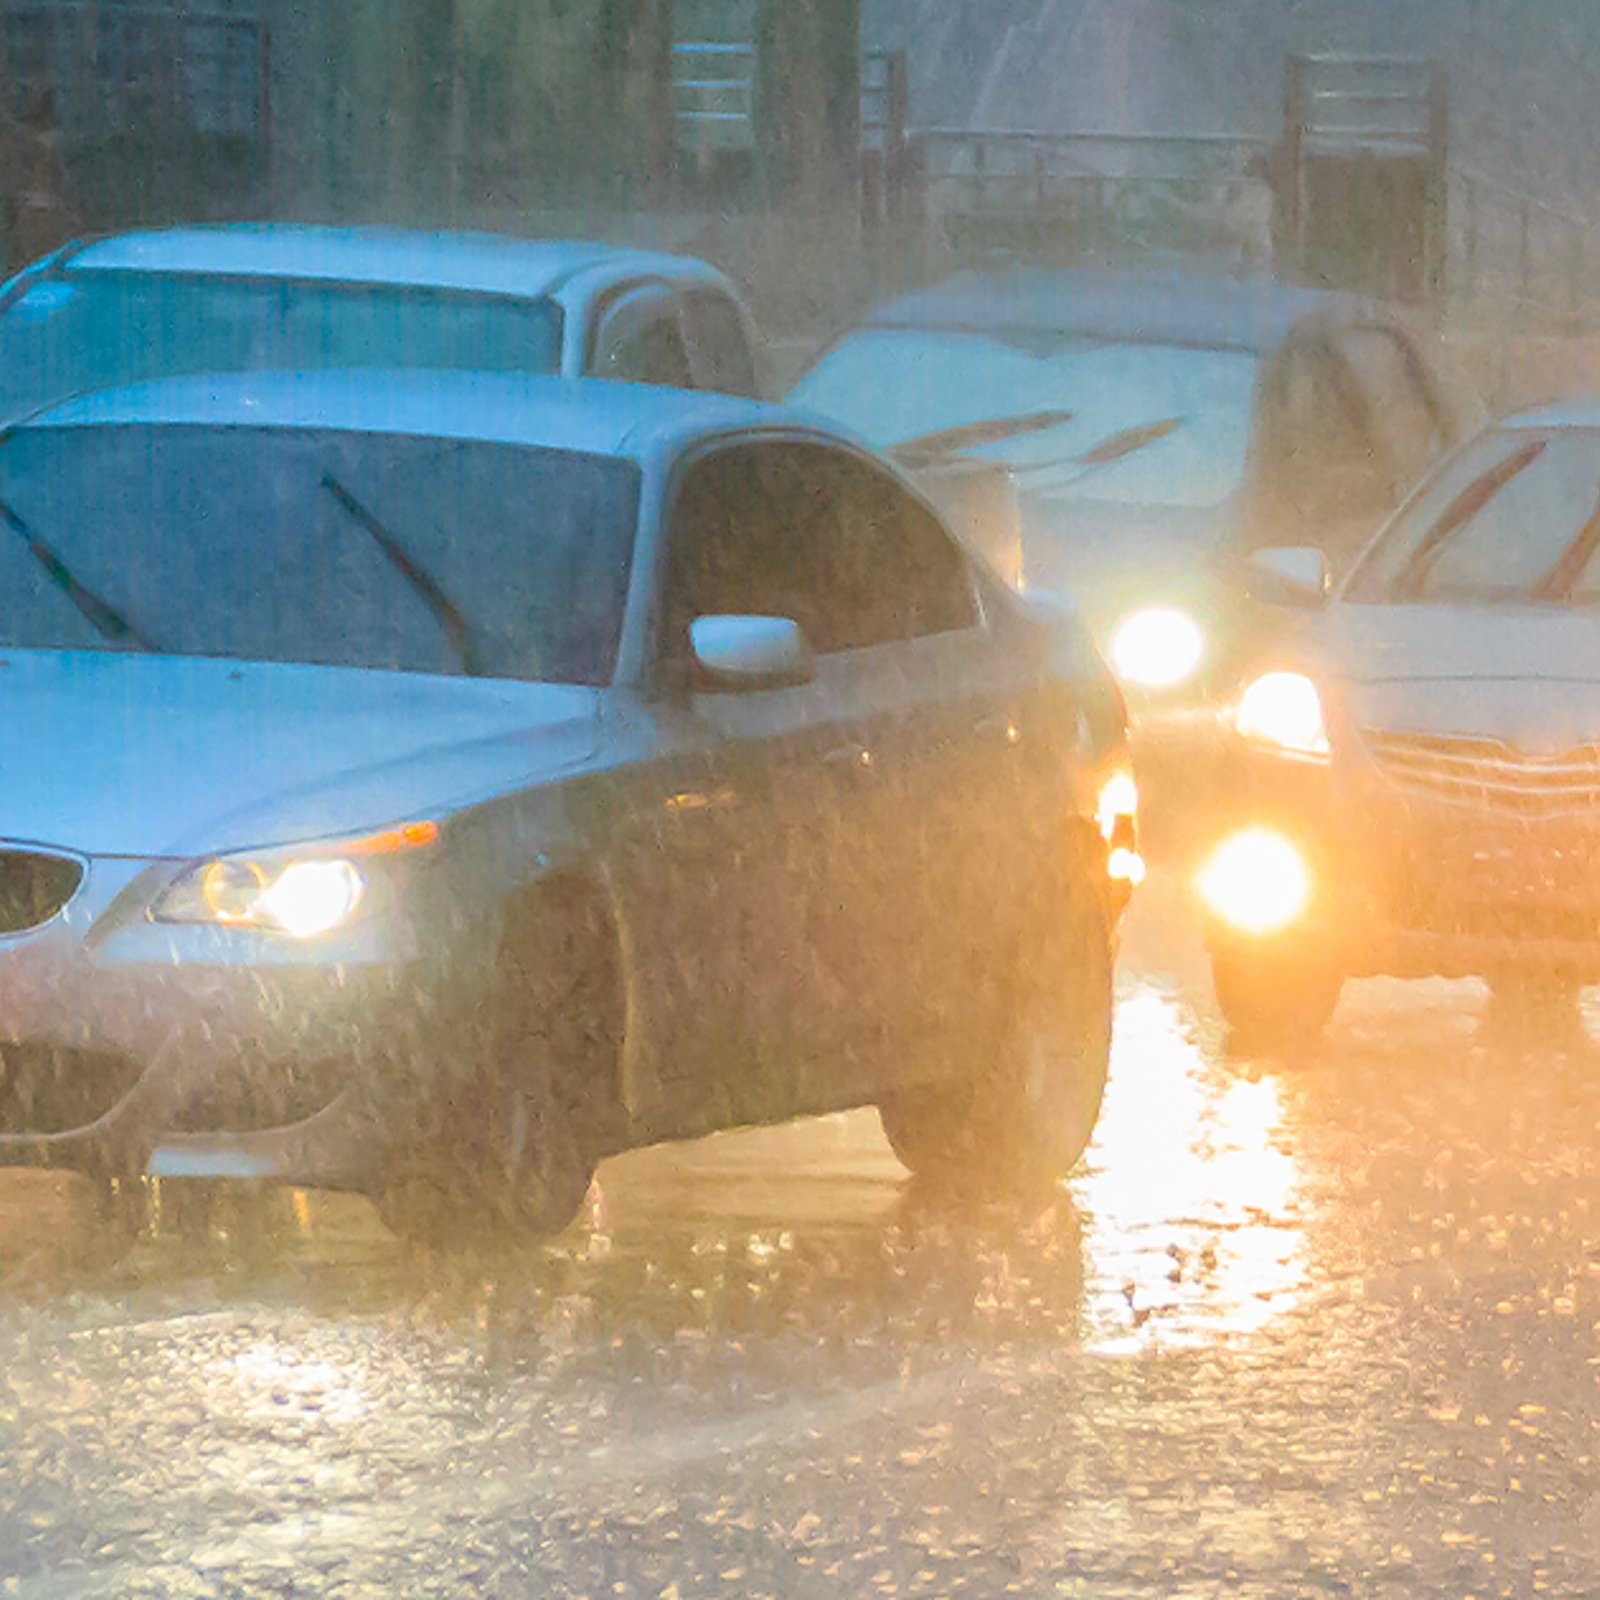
x=95 y=330
x=723 y=360
x=810 y=533
x=259 y=544
x=895 y=385
x=1503 y=517
x=1388 y=377
x=640 y=340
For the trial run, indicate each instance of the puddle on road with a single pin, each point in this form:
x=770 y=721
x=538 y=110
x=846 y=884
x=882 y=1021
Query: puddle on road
x=1189 y=1192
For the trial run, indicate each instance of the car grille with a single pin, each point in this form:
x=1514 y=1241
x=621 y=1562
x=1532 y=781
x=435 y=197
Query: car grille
x=1489 y=773
x=34 y=886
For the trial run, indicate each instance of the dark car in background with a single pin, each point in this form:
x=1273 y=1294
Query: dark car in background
x=1157 y=425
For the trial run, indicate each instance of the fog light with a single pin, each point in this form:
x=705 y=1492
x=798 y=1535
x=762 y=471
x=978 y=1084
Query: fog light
x=1157 y=648
x=1256 y=882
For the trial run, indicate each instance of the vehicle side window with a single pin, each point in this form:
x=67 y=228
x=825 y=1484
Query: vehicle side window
x=640 y=341
x=722 y=357
x=1401 y=414
x=906 y=574
x=810 y=533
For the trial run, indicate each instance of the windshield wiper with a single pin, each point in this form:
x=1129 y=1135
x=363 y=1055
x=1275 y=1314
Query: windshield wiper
x=1562 y=578
x=927 y=449
x=1466 y=505
x=1114 y=447
x=440 y=606
x=102 y=616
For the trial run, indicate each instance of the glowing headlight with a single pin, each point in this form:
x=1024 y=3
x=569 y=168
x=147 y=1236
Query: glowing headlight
x=1283 y=709
x=1256 y=881
x=299 y=895
x=1157 y=648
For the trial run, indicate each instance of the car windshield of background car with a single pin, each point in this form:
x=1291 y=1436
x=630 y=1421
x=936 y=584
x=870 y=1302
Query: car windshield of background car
x=1511 y=542
x=91 y=330
x=532 y=546
x=893 y=385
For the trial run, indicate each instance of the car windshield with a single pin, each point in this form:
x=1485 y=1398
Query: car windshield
x=1514 y=517
x=894 y=385
x=241 y=543
x=82 y=330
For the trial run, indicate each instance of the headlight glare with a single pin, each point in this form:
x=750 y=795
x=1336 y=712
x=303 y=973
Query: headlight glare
x=1156 y=649
x=1256 y=881
x=300 y=896
x=1283 y=709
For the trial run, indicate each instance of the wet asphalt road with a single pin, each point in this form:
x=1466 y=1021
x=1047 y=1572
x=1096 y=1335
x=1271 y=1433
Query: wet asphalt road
x=1304 y=1328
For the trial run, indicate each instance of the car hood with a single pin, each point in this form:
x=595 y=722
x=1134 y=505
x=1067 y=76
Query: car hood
x=144 y=755
x=1520 y=673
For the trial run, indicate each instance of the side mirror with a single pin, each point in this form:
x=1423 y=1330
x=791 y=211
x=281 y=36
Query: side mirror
x=1289 y=576
x=735 y=655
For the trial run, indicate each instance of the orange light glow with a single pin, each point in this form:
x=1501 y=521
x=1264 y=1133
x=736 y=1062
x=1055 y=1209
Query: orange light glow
x=1125 y=866
x=1256 y=881
x=403 y=836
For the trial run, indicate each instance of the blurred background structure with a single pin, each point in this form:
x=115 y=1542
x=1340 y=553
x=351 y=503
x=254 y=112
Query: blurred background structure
x=830 y=150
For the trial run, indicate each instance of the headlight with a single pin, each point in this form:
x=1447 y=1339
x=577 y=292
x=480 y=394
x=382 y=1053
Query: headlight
x=1256 y=881
x=303 y=891
x=299 y=896
x=1283 y=709
x=1157 y=648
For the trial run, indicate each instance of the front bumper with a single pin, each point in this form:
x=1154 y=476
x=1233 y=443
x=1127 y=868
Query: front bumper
x=126 y=1045
x=1412 y=885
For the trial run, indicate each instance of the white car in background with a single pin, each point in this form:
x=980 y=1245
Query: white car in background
x=1414 y=787
x=429 y=783
x=254 y=296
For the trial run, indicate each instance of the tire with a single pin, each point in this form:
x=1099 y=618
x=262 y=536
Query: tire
x=1277 y=1001
x=505 y=1153
x=1018 y=1119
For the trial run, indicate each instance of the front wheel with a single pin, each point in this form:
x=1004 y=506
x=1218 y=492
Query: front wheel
x=1018 y=1119
x=1274 y=999
x=506 y=1149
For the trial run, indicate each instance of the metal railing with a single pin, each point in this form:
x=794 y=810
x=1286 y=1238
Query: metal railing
x=1097 y=191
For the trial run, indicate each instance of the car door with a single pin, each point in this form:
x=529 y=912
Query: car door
x=761 y=798
x=949 y=817
x=639 y=339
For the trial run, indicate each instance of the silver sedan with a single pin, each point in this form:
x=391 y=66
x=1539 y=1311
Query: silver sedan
x=431 y=783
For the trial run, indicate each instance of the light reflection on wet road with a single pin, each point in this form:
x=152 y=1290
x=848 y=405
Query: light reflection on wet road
x=1298 y=1328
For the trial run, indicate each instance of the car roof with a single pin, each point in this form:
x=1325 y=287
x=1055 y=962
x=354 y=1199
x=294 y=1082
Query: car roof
x=1172 y=306
x=1573 y=411
x=484 y=263
x=594 y=415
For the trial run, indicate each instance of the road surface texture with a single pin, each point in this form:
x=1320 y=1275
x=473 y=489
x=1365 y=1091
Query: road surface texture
x=1327 y=1327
